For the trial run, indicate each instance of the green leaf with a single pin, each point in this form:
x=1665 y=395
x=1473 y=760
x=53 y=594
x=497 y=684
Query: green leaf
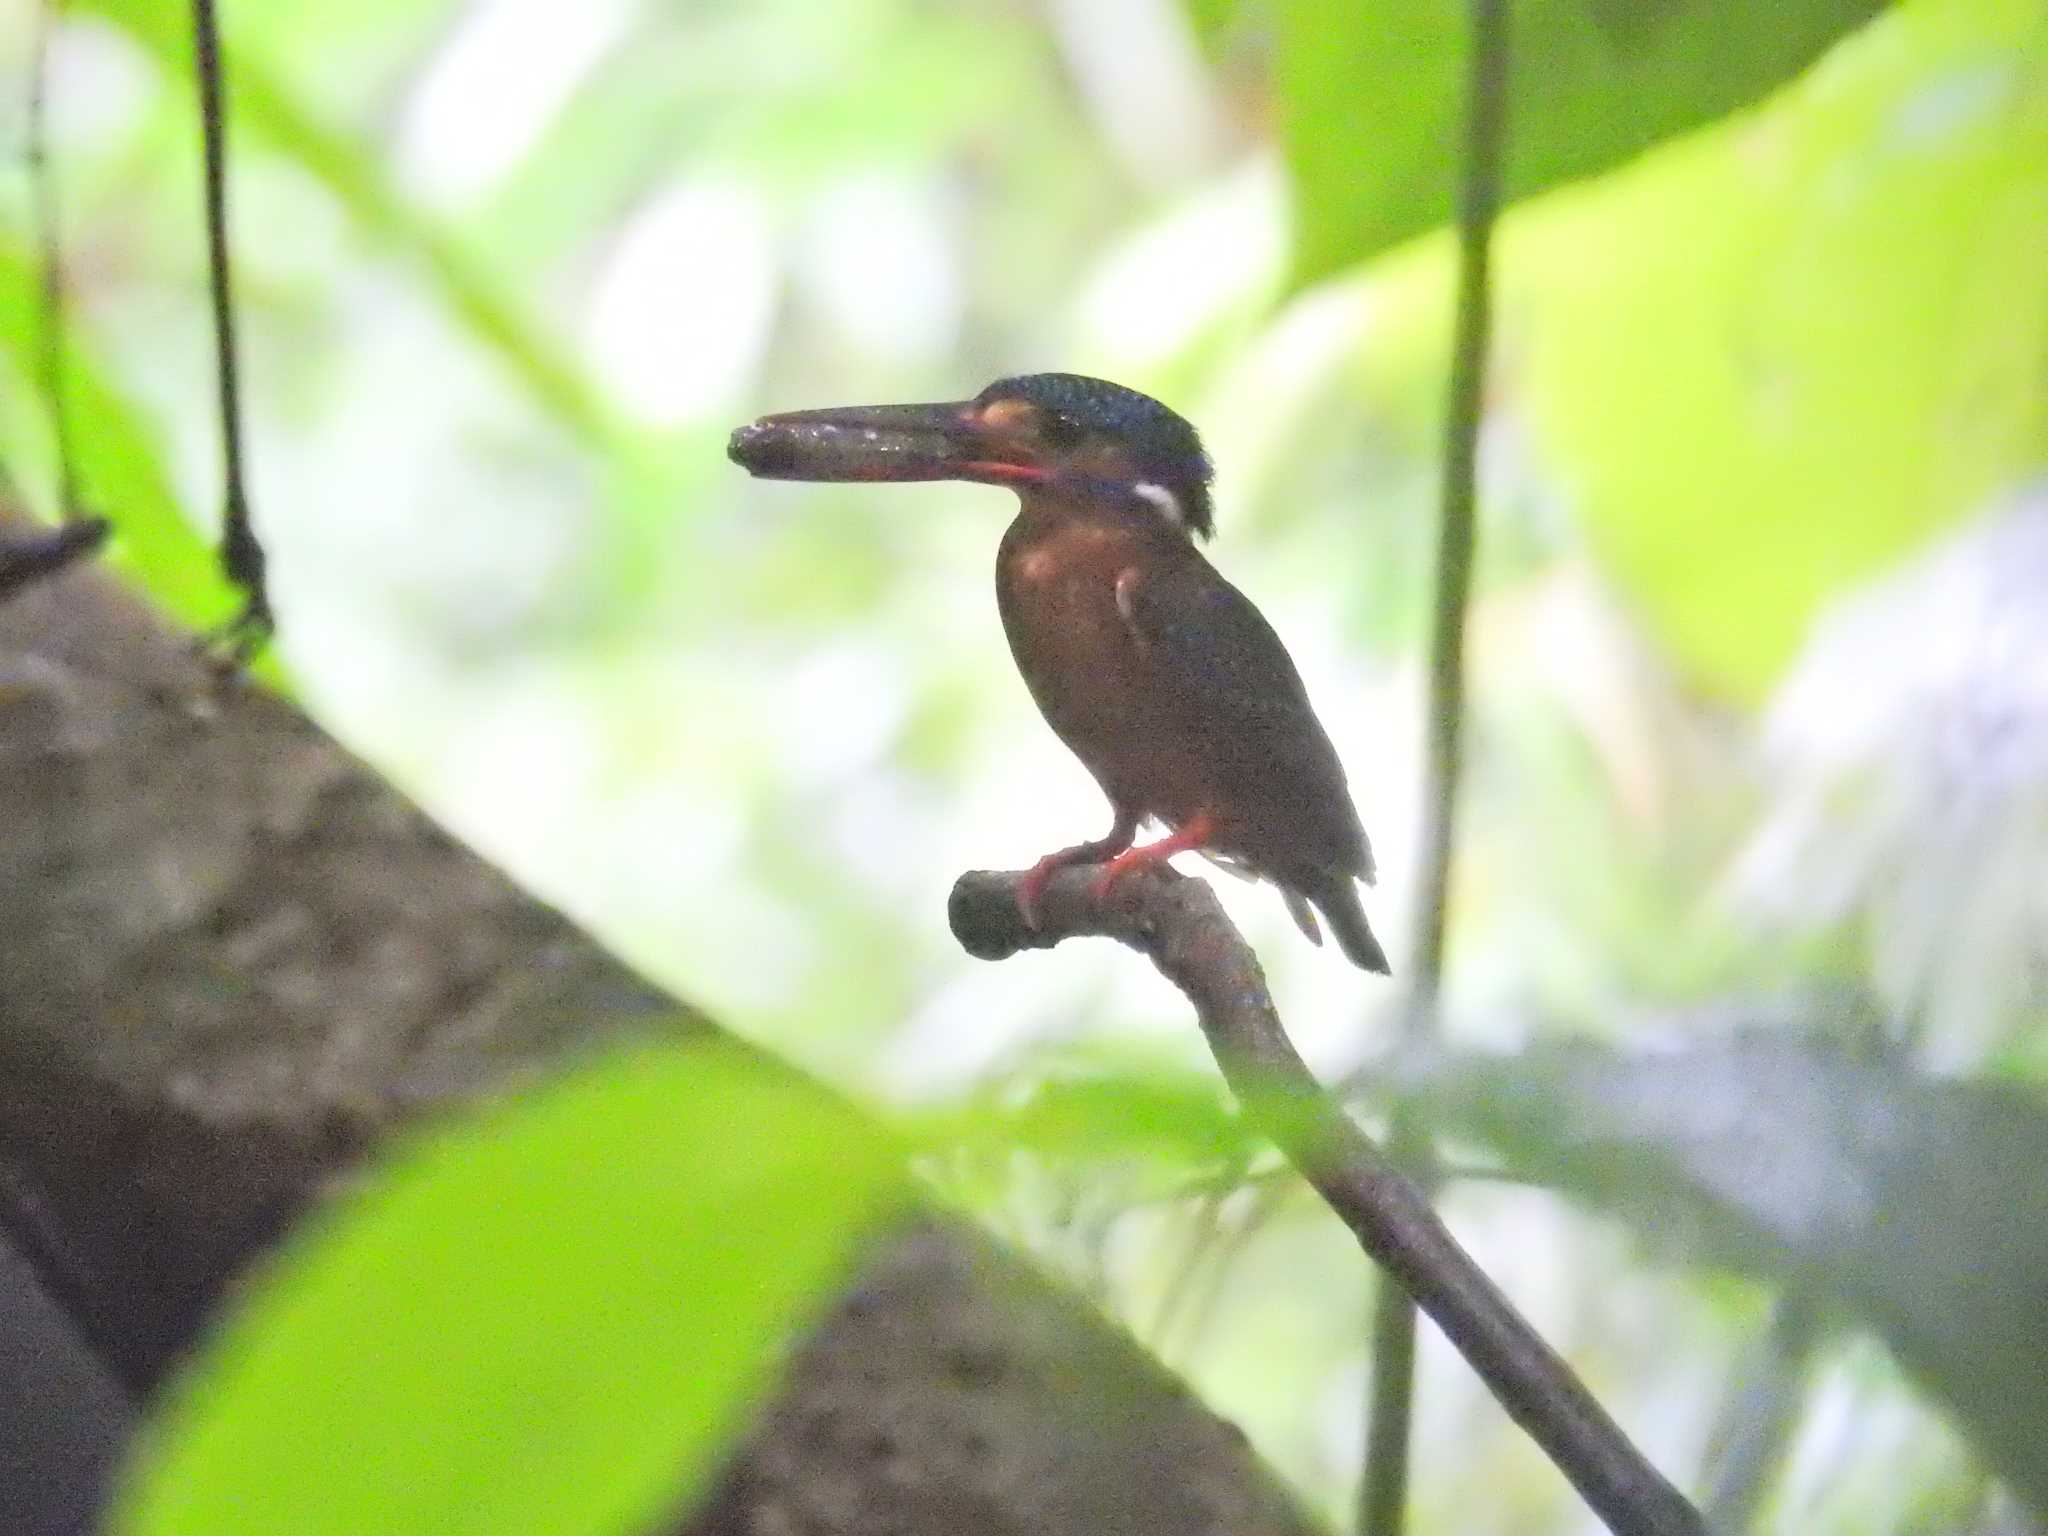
x=549 y=1320
x=1372 y=98
x=1212 y=20
x=1078 y=1109
x=1914 y=1204
x=121 y=475
x=1768 y=365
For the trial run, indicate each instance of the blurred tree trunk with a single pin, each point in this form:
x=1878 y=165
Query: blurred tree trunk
x=232 y=960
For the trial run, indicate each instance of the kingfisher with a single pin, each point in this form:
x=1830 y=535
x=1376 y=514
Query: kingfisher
x=1158 y=674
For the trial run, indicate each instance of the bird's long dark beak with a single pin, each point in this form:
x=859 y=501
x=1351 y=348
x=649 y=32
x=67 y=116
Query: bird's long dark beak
x=949 y=441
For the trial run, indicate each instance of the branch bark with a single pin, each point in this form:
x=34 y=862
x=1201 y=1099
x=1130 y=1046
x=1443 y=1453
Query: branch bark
x=1178 y=924
x=233 y=961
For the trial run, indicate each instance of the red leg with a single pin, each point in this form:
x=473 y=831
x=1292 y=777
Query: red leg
x=1192 y=834
x=1032 y=887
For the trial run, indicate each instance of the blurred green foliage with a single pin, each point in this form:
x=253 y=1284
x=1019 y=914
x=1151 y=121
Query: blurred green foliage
x=118 y=467
x=1850 y=324
x=1166 y=1132
x=1908 y=1203
x=1373 y=95
x=751 y=733
x=358 y=181
x=550 y=1320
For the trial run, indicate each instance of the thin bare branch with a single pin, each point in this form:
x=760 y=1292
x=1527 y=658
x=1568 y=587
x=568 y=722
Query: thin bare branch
x=1178 y=924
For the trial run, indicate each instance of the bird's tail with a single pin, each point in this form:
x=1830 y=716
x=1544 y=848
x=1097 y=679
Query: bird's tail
x=1337 y=896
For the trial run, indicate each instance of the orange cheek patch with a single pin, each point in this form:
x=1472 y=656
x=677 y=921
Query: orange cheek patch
x=1007 y=415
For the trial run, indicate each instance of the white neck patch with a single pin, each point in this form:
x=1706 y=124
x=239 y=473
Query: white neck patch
x=1160 y=497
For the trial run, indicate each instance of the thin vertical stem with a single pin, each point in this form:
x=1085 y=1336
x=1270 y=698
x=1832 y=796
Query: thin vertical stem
x=1478 y=204
x=28 y=556
x=43 y=182
x=241 y=553
x=1383 y=1497
x=1747 y=1447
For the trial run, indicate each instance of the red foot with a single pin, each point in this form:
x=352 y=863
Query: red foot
x=1031 y=889
x=1193 y=834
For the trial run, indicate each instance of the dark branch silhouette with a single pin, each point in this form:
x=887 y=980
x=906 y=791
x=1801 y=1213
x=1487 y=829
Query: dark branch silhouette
x=29 y=555
x=1178 y=923
x=241 y=552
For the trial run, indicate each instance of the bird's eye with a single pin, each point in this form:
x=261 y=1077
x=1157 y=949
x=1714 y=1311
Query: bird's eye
x=1060 y=429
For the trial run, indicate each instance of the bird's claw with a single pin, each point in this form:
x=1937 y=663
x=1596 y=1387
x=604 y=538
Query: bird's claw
x=1104 y=883
x=1031 y=889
